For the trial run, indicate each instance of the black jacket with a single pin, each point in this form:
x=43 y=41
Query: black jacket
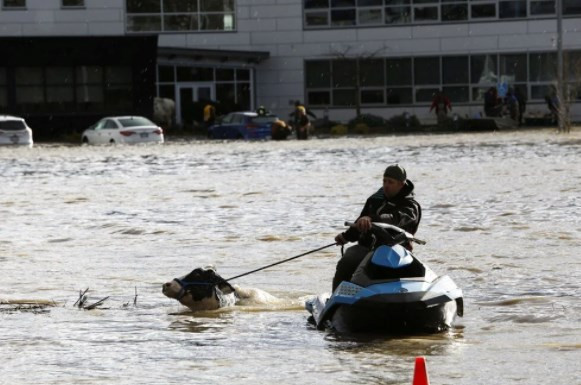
x=402 y=211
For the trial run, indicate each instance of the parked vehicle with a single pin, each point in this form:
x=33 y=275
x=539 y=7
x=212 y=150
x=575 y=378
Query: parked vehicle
x=15 y=131
x=123 y=129
x=243 y=125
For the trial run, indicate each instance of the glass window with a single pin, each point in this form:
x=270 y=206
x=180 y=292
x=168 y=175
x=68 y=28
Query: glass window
x=399 y=96
x=344 y=73
x=425 y=95
x=242 y=74
x=119 y=97
x=28 y=75
x=316 y=4
x=165 y=74
x=369 y=3
x=512 y=9
x=89 y=74
x=319 y=98
x=342 y=3
x=341 y=17
x=541 y=91
x=314 y=19
x=224 y=74
x=423 y=14
x=143 y=23
x=398 y=72
x=483 y=11
x=571 y=7
x=370 y=16
x=398 y=15
x=344 y=97
x=180 y=6
x=372 y=97
x=371 y=72
x=243 y=96
x=181 y=23
x=455 y=69
x=457 y=94
x=216 y=5
x=14 y=3
x=572 y=65
x=544 y=7
x=426 y=70
x=513 y=68
x=454 y=12
x=543 y=67
x=318 y=73
x=483 y=69
x=118 y=74
x=73 y=3
x=143 y=6
x=216 y=22
x=195 y=74
x=226 y=93
x=167 y=91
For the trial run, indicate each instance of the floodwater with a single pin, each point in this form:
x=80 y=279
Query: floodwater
x=501 y=216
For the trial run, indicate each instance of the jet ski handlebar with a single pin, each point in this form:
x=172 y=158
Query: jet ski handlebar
x=387 y=226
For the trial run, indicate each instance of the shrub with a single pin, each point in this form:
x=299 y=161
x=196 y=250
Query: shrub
x=404 y=121
x=339 y=129
x=369 y=120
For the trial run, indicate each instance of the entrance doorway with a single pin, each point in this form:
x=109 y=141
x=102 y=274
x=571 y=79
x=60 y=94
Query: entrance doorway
x=190 y=98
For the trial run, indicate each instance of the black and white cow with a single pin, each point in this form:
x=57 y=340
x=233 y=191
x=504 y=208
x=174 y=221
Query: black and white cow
x=205 y=289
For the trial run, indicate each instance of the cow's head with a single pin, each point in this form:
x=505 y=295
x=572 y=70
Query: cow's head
x=202 y=289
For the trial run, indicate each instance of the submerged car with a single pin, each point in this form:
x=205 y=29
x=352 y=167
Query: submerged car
x=123 y=129
x=243 y=125
x=15 y=131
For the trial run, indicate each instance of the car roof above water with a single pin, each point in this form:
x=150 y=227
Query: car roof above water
x=10 y=117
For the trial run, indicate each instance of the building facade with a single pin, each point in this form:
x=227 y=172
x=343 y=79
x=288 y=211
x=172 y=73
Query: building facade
x=387 y=56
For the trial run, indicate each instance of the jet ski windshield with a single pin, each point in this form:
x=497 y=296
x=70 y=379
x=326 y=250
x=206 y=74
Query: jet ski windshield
x=394 y=257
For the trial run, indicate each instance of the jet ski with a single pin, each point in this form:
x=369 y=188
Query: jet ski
x=391 y=291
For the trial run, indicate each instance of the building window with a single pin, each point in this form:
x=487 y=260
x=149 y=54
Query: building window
x=349 y=13
x=3 y=89
x=542 y=7
x=513 y=9
x=73 y=3
x=571 y=7
x=180 y=15
x=13 y=4
x=463 y=78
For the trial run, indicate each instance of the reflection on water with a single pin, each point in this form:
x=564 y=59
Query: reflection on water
x=501 y=216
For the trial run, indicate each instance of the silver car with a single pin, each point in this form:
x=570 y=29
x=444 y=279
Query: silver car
x=123 y=129
x=14 y=131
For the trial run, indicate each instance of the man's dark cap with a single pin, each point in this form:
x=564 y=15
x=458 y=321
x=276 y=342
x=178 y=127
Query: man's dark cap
x=395 y=171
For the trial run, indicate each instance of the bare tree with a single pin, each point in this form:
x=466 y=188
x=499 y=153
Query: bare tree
x=572 y=88
x=359 y=75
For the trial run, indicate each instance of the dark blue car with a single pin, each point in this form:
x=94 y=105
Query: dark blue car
x=243 y=125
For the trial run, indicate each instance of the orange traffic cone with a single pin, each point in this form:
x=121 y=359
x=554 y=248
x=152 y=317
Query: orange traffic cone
x=421 y=372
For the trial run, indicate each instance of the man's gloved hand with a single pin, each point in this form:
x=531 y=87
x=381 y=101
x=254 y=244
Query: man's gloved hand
x=340 y=239
x=363 y=224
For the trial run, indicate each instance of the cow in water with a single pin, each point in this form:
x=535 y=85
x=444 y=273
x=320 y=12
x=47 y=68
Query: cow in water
x=204 y=289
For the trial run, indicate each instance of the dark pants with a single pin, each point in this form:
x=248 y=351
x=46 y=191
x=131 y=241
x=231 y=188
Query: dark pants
x=348 y=264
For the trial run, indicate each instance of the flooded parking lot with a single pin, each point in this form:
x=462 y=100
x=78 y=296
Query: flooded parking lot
x=501 y=217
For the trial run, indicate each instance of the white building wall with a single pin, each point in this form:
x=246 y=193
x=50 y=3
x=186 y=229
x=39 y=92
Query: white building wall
x=276 y=26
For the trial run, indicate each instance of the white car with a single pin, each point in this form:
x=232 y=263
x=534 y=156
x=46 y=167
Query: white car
x=14 y=131
x=123 y=129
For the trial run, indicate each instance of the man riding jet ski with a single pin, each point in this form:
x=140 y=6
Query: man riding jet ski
x=391 y=291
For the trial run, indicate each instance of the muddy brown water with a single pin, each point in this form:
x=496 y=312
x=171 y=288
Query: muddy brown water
x=501 y=216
